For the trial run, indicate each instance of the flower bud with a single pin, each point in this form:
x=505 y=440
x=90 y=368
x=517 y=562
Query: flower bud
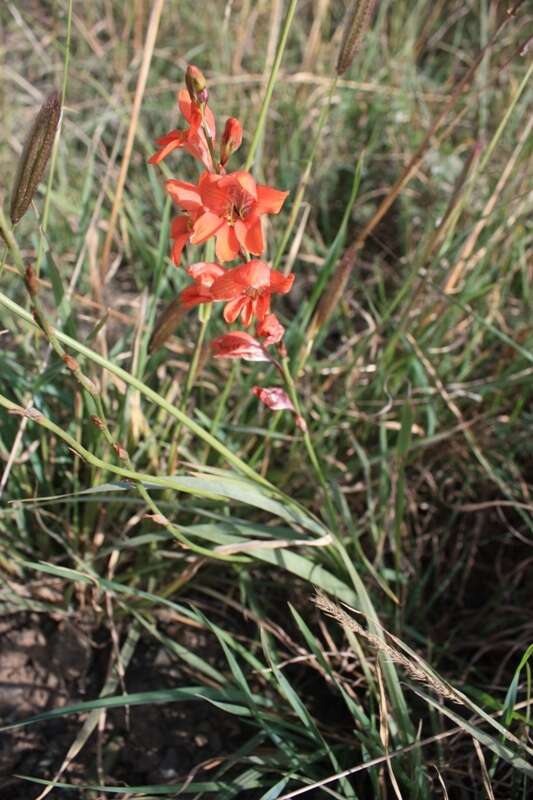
x=231 y=139
x=35 y=155
x=196 y=85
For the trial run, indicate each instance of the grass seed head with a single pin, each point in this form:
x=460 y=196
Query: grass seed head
x=35 y=156
x=358 y=19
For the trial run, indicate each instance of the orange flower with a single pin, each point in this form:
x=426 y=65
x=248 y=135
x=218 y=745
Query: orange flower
x=246 y=289
x=204 y=273
x=180 y=232
x=228 y=207
x=239 y=344
x=192 y=139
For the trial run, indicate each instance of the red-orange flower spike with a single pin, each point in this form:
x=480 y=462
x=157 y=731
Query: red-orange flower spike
x=246 y=289
x=228 y=207
x=231 y=140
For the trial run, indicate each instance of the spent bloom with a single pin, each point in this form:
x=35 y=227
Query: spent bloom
x=274 y=398
x=270 y=329
x=239 y=344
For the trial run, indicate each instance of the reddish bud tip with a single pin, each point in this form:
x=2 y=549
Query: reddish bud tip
x=231 y=139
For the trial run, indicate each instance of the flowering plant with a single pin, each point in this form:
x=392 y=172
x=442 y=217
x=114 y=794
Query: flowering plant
x=226 y=206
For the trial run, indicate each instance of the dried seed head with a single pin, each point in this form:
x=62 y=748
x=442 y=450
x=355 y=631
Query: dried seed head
x=35 y=155
x=358 y=19
x=196 y=85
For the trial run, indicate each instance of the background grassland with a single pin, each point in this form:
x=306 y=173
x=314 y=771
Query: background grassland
x=416 y=390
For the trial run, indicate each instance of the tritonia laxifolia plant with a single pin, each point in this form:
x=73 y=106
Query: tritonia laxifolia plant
x=227 y=207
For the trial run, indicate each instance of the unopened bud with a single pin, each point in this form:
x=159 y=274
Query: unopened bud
x=35 y=155
x=231 y=139
x=32 y=281
x=121 y=452
x=70 y=363
x=196 y=85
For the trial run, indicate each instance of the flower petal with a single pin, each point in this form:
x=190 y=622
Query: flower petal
x=256 y=273
x=233 y=308
x=269 y=201
x=167 y=144
x=241 y=231
x=185 y=194
x=271 y=329
x=178 y=243
x=213 y=195
x=205 y=226
x=254 y=241
x=195 y=294
x=205 y=272
x=227 y=246
x=279 y=283
x=246 y=181
x=248 y=311
x=262 y=306
x=180 y=224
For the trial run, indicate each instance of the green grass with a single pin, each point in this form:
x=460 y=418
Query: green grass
x=410 y=497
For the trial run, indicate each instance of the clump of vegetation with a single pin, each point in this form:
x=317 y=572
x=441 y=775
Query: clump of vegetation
x=265 y=461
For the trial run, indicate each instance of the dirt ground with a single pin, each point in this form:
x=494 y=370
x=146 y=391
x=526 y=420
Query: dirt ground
x=46 y=663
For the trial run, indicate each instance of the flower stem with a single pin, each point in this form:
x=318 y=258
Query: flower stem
x=204 y=315
x=258 y=134
x=311 y=452
x=304 y=180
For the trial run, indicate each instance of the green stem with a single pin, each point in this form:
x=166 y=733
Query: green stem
x=291 y=388
x=270 y=85
x=53 y=162
x=204 y=315
x=304 y=180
